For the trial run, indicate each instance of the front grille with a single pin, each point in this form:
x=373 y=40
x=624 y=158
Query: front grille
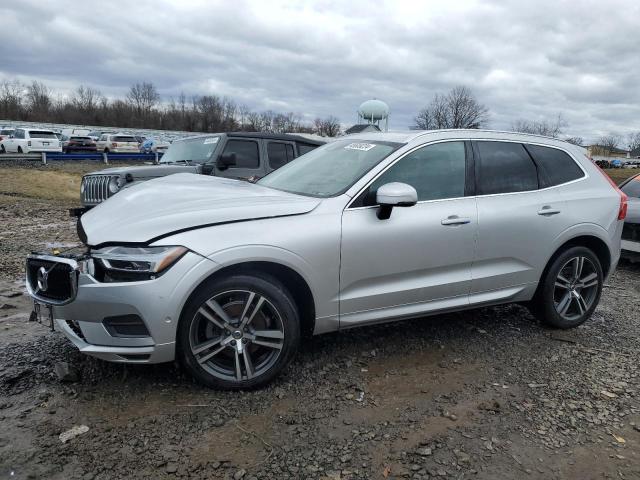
x=52 y=280
x=631 y=231
x=95 y=189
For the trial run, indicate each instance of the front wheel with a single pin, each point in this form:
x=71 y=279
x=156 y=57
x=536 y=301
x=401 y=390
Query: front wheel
x=2 y=150
x=570 y=290
x=239 y=332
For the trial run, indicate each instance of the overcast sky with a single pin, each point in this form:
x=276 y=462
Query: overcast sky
x=522 y=59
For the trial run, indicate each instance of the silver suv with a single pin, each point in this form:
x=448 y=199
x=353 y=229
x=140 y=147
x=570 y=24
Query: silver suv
x=227 y=276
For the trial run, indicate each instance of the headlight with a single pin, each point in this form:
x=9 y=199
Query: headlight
x=114 y=184
x=83 y=186
x=127 y=264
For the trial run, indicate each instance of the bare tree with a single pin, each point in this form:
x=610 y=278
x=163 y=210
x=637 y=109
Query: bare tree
x=548 y=128
x=575 y=140
x=608 y=143
x=327 y=127
x=143 y=97
x=11 y=99
x=457 y=109
x=39 y=100
x=86 y=98
x=633 y=140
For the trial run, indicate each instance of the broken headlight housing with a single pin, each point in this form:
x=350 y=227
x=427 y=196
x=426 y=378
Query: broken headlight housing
x=131 y=264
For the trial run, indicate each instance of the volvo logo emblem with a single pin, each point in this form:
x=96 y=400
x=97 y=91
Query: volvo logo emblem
x=43 y=279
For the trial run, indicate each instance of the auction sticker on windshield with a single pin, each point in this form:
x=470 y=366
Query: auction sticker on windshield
x=365 y=147
x=211 y=140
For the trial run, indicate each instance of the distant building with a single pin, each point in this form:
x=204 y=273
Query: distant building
x=603 y=151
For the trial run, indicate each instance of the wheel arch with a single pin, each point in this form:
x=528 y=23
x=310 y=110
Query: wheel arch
x=290 y=278
x=598 y=246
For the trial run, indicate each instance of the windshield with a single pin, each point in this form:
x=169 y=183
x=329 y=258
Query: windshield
x=331 y=169
x=632 y=188
x=42 y=134
x=197 y=150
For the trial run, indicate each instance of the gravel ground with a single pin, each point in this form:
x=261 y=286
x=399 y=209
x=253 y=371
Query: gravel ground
x=487 y=394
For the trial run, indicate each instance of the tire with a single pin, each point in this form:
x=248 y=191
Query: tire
x=19 y=149
x=214 y=352
x=565 y=300
x=2 y=150
x=106 y=150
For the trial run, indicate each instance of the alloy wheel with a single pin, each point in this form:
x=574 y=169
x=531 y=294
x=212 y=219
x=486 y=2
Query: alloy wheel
x=236 y=335
x=576 y=288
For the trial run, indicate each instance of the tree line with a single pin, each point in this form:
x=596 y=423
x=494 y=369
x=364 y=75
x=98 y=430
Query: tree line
x=142 y=108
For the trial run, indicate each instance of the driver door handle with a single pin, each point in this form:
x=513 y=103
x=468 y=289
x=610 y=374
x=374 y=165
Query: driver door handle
x=455 y=220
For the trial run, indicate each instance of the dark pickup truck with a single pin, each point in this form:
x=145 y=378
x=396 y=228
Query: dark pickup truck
x=239 y=155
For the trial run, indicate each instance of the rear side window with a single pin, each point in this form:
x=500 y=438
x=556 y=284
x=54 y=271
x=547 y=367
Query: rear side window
x=305 y=148
x=279 y=154
x=504 y=167
x=246 y=151
x=554 y=166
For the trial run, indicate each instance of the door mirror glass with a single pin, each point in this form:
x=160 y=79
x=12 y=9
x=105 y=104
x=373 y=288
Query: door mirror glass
x=394 y=194
x=226 y=160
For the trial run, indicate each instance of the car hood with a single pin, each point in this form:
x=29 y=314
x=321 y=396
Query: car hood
x=182 y=202
x=148 y=171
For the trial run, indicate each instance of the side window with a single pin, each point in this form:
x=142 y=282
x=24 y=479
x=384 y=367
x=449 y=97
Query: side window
x=277 y=153
x=247 y=155
x=503 y=168
x=554 y=166
x=436 y=171
x=103 y=138
x=19 y=133
x=305 y=148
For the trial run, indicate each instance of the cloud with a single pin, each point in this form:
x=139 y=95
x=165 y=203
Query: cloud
x=528 y=60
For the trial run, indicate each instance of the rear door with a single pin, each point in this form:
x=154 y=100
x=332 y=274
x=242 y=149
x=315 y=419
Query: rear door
x=248 y=164
x=517 y=222
x=279 y=153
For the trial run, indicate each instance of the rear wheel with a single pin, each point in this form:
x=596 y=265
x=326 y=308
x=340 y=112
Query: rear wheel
x=20 y=150
x=106 y=150
x=2 y=150
x=570 y=290
x=239 y=332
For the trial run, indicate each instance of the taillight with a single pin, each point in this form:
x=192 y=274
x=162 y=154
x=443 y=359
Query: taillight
x=29 y=143
x=624 y=200
x=114 y=144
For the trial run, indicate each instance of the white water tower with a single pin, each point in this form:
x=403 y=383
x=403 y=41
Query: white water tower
x=374 y=112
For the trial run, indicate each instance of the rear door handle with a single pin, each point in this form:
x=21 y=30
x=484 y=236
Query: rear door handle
x=455 y=220
x=548 y=211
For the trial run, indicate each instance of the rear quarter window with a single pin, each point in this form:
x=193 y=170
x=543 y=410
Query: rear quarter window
x=555 y=167
x=305 y=148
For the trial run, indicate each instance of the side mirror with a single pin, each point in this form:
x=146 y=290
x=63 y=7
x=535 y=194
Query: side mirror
x=226 y=160
x=394 y=194
x=207 y=169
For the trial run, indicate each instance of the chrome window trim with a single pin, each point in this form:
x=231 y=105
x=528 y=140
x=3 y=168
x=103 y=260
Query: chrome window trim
x=583 y=178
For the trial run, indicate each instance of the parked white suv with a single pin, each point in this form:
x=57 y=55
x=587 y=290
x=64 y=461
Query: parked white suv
x=24 y=140
x=117 y=143
x=226 y=275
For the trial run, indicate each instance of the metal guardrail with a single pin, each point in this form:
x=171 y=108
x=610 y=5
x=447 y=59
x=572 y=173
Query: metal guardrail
x=45 y=157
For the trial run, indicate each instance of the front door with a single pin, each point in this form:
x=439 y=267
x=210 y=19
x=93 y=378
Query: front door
x=248 y=164
x=418 y=260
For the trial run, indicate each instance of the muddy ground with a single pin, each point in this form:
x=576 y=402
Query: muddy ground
x=485 y=394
